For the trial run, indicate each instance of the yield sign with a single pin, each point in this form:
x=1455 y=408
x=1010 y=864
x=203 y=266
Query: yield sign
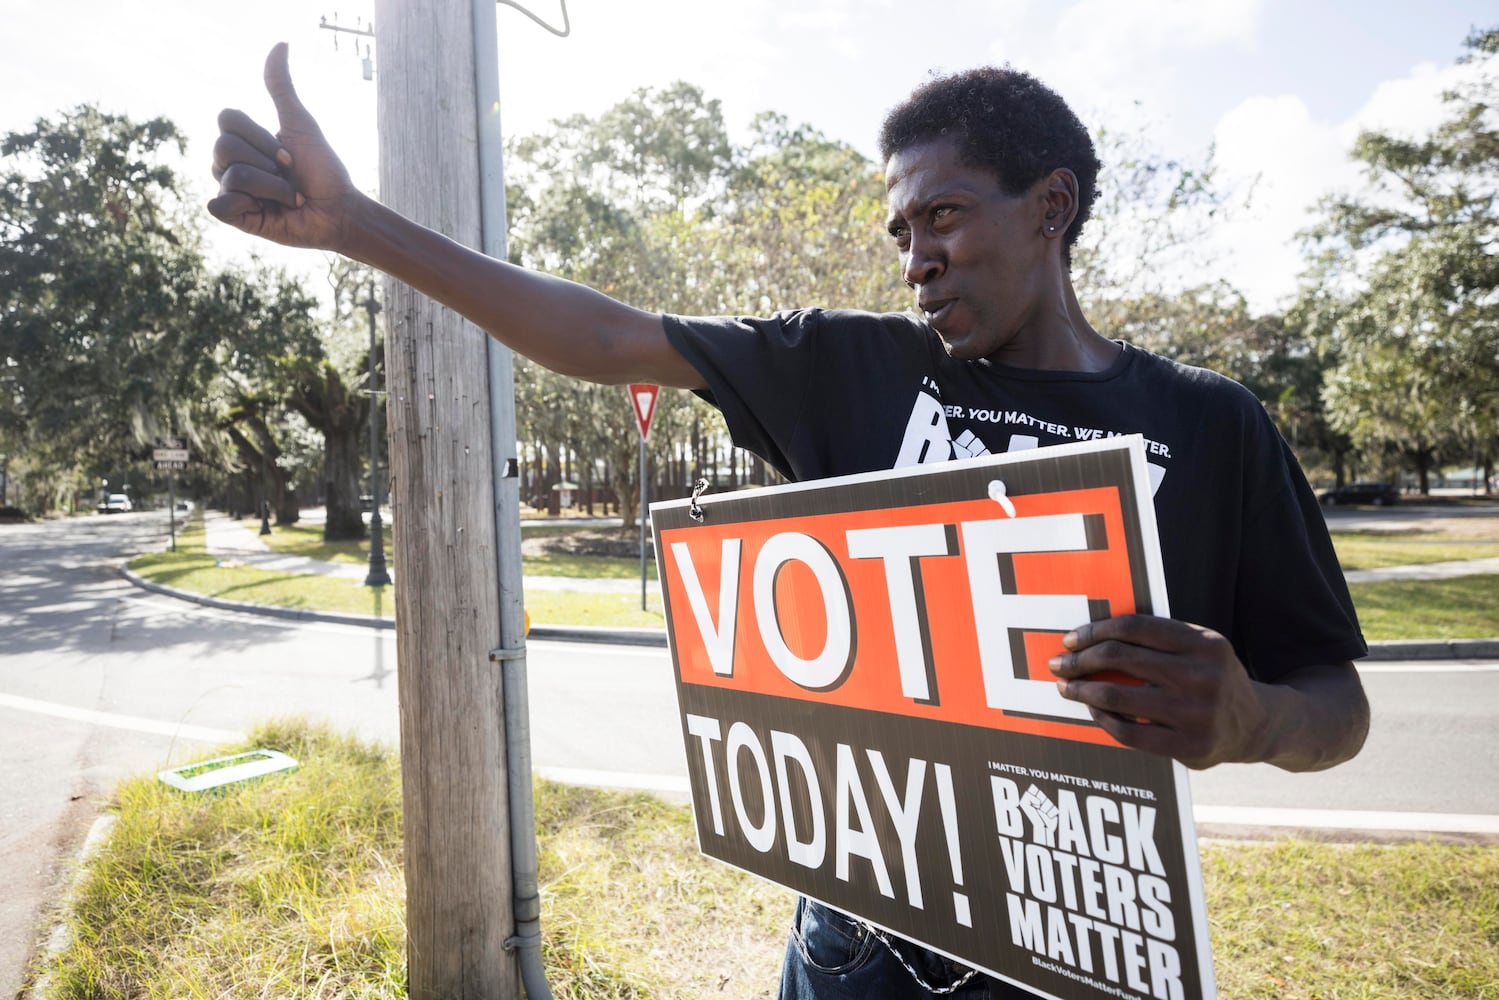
x=643 y=399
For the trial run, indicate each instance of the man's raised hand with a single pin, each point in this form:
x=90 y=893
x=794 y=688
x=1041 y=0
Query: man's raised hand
x=289 y=187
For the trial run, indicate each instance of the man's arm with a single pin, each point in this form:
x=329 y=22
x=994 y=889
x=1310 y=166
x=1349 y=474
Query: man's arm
x=291 y=188
x=1186 y=695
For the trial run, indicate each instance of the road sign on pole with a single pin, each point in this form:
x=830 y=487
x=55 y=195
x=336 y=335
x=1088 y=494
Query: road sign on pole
x=643 y=399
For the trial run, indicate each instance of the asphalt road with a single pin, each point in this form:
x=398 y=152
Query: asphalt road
x=99 y=680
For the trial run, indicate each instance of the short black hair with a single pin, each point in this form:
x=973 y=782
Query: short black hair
x=1005 y=121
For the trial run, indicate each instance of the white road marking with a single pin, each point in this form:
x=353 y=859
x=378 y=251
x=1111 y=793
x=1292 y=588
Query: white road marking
x=1348 y=819
x=634 y=781
x=1428 y=667
x=1257 y=816
x=134 y=723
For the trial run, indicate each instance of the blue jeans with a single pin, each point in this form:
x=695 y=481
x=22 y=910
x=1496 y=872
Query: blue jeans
x=831 y=956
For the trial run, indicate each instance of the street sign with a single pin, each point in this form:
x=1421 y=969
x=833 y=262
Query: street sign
x=161 y=455
x=643 y=399
x=171 y=465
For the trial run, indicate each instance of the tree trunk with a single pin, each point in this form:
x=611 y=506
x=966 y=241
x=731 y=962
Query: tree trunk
x=553 y=477
x=341 y=480
x=1423 y=457
x=626 y=491
x=453 y=762
x=289 y=507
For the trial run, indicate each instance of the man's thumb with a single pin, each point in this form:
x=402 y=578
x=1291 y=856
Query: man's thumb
x=289 y=107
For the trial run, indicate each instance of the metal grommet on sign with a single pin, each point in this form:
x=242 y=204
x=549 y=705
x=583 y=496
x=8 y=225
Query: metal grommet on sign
x=694 y=510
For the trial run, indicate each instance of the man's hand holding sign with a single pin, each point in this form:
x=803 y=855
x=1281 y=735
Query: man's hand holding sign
x=1195 y=702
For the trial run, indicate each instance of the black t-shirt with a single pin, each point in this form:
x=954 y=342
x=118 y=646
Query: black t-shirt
x=1245 y=550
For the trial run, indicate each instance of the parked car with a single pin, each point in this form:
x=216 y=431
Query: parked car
x=116 y=503
x=1378 y=494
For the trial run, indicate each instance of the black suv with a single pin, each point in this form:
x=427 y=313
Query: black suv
x=1378 y=494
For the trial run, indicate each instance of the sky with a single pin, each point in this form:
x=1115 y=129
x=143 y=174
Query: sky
x=1278 y=88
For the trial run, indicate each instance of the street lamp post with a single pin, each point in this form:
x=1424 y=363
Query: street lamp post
x=377 y=576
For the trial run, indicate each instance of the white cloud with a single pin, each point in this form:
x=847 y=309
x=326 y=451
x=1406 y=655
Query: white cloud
x=1412 y=104
x=838 y=64
x=1293 y=161
x=1272 y=149
x=1121 y=57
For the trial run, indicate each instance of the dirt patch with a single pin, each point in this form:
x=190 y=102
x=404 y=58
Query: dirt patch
x=618 y=542
x=1465 y=527
x=1475 y=528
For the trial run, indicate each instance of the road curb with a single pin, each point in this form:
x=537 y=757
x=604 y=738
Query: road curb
x=293 y=614
x=61 y=937
x=589 y=633
x=556 y=633
x=1447 y=649
x=1438 y=649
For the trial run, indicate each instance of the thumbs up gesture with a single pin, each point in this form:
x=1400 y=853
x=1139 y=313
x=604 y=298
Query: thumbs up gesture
x=289 y=187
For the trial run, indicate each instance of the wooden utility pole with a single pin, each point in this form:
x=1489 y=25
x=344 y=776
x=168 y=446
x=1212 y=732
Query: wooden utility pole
x=453 y=766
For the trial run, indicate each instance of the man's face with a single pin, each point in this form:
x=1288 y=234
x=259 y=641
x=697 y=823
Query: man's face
x=975 y=256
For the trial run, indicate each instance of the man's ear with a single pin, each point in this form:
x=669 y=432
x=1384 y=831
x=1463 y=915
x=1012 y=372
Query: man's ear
x=1059 y=200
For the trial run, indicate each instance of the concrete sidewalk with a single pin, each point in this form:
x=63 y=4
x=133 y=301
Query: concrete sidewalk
x=1425 y=571
x=233 y=542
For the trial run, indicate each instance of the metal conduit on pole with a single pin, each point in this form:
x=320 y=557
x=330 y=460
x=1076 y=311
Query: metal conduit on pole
x=512 y=654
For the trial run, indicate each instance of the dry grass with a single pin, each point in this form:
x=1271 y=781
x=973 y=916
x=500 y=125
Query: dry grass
x=292 y=887
x=630 y=909
x=1309 y=921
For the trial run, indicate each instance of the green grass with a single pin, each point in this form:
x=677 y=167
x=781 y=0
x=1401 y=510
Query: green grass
x=1375 y=549
x=291 y=886
x=192 y=569
x=1464 y=607
x=569 y=607
x=200 y=573
x=286 y=886
x=631 y=909
x=587 y=567
x=307 y=540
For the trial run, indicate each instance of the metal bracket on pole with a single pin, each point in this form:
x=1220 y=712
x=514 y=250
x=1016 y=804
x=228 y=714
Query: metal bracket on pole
x=507 y=653
x=530 y=939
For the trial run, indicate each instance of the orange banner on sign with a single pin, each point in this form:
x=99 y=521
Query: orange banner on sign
x=943 y=611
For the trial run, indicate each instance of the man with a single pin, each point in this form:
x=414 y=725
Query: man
x=990 y=178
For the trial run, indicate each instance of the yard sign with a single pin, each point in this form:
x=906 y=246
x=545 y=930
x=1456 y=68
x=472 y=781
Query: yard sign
x=869 y=719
